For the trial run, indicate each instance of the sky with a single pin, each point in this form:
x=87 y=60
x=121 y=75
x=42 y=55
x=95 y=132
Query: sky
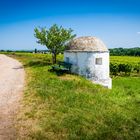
x=116 y=22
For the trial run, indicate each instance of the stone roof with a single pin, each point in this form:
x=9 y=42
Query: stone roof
x=88 y=43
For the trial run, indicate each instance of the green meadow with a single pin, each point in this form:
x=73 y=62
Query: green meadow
x=69 y=107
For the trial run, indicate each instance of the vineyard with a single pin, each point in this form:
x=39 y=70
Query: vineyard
x=124 y=65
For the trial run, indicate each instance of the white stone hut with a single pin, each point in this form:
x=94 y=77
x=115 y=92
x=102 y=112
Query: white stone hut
x=90 y=58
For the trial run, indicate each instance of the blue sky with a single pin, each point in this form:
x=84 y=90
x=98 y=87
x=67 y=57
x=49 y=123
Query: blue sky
x=116 y=22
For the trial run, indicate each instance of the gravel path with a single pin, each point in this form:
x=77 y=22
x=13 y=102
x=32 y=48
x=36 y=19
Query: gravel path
x=11 y=86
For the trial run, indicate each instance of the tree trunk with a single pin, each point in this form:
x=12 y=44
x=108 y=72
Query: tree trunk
x=54 y=58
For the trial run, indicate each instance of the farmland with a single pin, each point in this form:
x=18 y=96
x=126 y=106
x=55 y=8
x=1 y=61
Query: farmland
x=125 y=65
x=70 y=107
x=125 y=59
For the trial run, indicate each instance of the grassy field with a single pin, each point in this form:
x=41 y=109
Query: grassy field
x=68 y=107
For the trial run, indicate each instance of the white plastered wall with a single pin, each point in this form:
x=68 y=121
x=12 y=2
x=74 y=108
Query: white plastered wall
x=84 y=63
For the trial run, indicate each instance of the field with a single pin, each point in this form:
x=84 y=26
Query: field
x=125 y=65
x=71 y=108
x=125 y=59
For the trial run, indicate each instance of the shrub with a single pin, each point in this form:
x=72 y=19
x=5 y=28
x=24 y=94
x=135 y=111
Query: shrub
x=114 y=68
x=137 y=67
x=126 y=68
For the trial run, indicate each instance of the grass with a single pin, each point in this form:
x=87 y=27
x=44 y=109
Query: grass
x=71 y=108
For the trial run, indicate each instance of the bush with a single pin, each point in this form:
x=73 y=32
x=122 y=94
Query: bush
x=137 y=67
x=126 y=68
x=119 y=69
x=114 y=69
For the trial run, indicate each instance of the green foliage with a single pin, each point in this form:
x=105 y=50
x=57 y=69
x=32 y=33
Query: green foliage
x=35 y=50
x=125 y=65
x=126 y=68
x=125 y=51
x=54 y=39
x=137 y=67
x=114 y=69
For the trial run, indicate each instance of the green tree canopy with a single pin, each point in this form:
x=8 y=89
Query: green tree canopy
x=55 y=38
x=125 y=51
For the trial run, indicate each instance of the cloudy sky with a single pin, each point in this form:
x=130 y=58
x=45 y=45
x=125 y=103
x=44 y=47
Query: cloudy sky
x=116 y=22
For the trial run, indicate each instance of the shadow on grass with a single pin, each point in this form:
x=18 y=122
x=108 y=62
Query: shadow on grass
x=37 y=63
x=59 y=72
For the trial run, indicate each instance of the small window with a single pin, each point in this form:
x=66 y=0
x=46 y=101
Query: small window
x=67 y=59
x=98 y=61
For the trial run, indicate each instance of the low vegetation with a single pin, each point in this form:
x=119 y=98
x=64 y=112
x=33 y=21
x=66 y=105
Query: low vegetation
x=69 y=107
x=125 y=66
x=125 y=51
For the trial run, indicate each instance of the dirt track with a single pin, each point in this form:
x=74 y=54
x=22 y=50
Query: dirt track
x=11 y=87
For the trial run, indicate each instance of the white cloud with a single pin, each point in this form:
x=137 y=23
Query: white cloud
x=138 y=33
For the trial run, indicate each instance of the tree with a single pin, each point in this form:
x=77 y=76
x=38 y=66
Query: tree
x=35 y=50
x=55 y=39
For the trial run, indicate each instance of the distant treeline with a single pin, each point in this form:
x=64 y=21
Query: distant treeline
x=125 y=51
x=20 y=51
x=24 y=51
x=113 y=52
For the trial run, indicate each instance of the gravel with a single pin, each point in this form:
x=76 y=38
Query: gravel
x=11 y=87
